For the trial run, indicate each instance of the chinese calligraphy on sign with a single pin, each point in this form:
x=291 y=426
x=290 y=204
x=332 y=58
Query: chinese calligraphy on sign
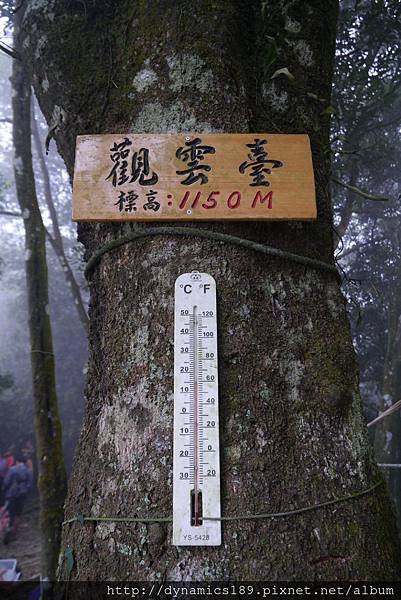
x=126 y=201
x=193 y=155
x=131 y=169
x=258 y=163
x=193 y=176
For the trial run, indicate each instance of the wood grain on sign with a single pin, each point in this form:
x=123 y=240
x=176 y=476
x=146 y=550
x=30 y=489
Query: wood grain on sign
x=186 y=177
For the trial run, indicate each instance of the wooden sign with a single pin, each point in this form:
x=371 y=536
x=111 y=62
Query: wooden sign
x=187 y=177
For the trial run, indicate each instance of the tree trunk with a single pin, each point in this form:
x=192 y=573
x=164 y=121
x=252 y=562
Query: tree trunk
x=292 y=430
x=56 y=239
x=52 y=477
x=346 y=210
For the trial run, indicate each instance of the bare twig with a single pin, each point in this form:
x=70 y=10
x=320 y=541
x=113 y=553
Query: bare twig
x=9 y=51
x=396 y=406
x=9 y=213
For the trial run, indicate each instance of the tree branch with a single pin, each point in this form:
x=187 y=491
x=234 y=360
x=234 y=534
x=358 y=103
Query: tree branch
x=9 y=213
x=355 y=248
x=360 y=192
x=9 y=51
x=389 y=411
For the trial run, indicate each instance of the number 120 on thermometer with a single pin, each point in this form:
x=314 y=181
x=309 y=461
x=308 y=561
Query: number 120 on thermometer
x=196 y=462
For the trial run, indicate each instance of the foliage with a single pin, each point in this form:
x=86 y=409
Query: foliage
x=366 y=152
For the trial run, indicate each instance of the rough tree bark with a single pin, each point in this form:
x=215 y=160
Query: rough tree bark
x=292 y=427
x=52 y=478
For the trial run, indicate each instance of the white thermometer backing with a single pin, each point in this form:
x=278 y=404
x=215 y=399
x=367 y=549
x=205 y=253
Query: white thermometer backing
x=196 y=462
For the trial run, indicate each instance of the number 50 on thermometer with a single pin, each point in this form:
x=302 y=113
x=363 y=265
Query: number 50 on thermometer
x=196 y=461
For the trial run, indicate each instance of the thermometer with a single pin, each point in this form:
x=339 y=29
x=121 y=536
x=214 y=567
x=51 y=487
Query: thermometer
x=196 y=460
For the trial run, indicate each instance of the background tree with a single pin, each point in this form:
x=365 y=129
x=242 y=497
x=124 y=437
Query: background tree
x=292 y=426
x=68 y=335
x=367 y=153
x=56 y=238
x=52 y=477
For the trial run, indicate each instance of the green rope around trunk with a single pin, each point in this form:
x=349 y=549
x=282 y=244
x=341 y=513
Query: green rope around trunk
x=210 y=235
x=288 y=513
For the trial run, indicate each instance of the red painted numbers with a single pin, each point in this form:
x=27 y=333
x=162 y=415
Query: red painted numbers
x=233 y=200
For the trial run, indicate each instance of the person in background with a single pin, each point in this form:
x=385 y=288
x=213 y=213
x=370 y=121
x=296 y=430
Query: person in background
x=17 y=484
x=3 y=473
x=27 y=451
x=9 y=456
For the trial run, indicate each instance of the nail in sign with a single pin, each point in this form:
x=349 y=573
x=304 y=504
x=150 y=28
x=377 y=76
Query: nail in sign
x=189 y=177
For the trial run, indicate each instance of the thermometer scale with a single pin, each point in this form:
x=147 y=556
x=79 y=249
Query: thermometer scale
x=196 y=462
